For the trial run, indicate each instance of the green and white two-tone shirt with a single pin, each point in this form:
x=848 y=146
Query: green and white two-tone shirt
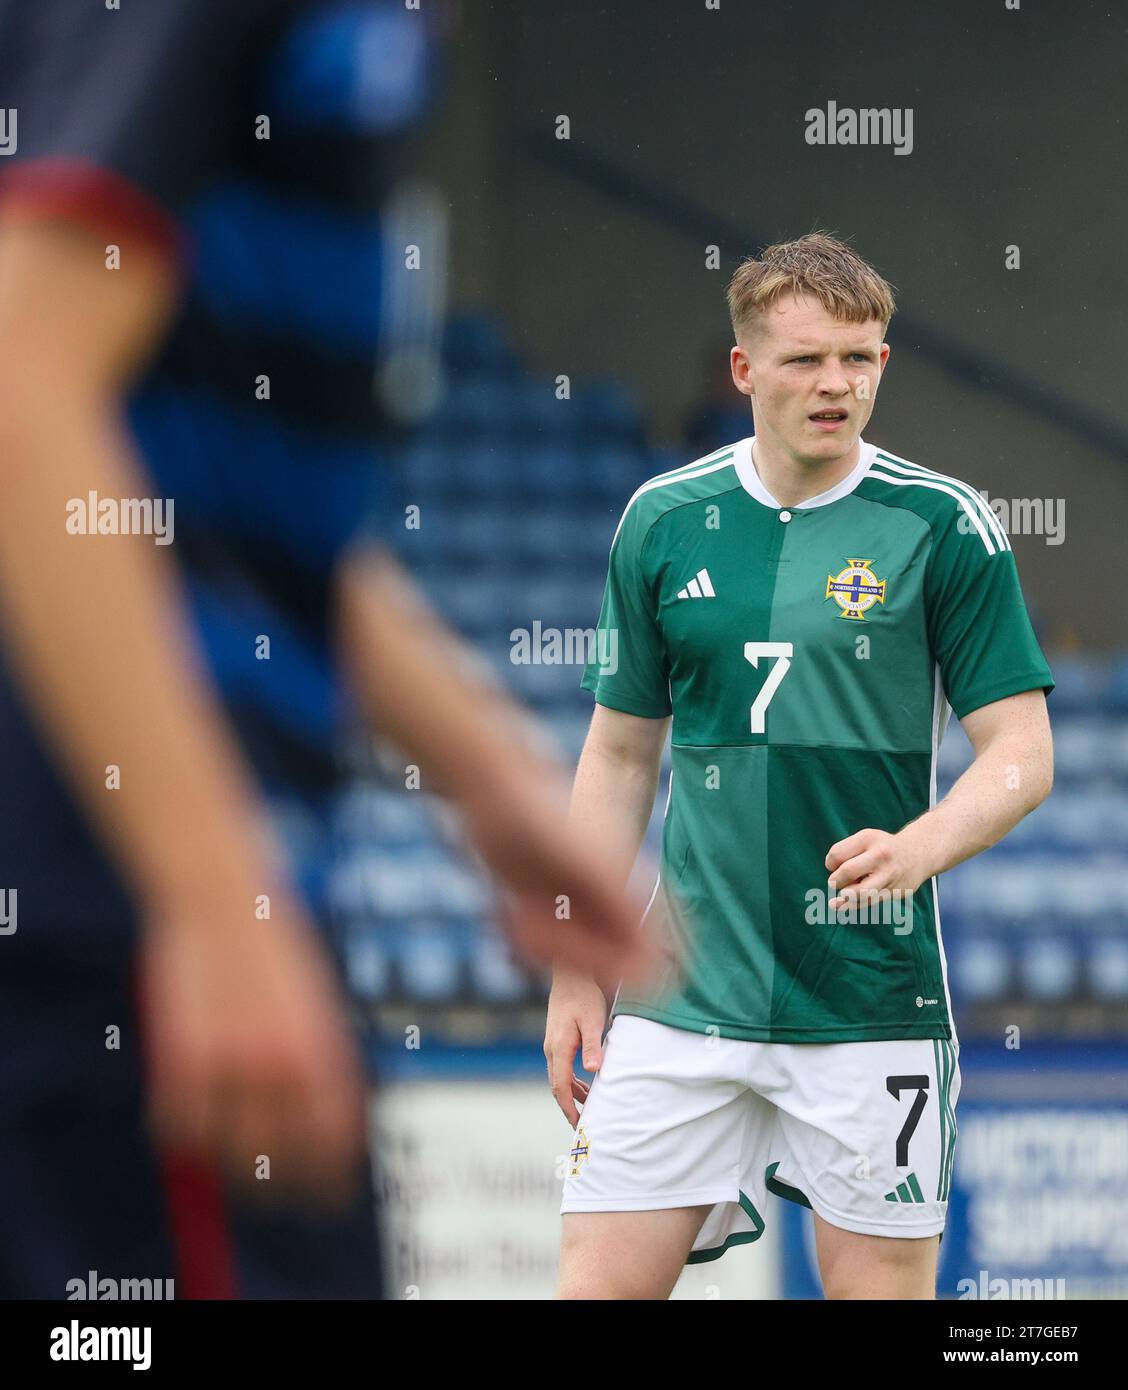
x=810 y=657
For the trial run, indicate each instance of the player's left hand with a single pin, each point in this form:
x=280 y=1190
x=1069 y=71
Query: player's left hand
x=870 y=861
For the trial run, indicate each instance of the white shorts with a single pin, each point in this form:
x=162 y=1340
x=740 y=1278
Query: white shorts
x=862 y=1132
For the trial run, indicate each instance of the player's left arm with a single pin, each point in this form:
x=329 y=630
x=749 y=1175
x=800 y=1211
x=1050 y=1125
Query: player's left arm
x=995 y=678
x=1011 y=774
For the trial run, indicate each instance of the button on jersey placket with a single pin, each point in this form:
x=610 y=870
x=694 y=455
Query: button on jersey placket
x=774 y=561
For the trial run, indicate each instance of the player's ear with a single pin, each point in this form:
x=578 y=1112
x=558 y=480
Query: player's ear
x=882 y=357
x=741 y=368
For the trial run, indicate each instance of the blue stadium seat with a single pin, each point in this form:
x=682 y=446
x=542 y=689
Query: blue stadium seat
x=545 y=683
x=423 y=469
x=389 y=882
x=609 y=410
x=494 y=976
x=595 y=527
x=369 y=970
x=981 y=971
x=613 y=473
x=1049 y=968
x=1107 y=969
x=474 y=343
x=460 y=891
x=1076 y=889
x=1034 y=833
x=548 y=473
x=1081 y=745
x=483 y=472
x=996 y=892
x=471 y=536
x=1081 y=682
x=388 y=817
x=482 y=605
x=1116 y=692
x=537 y=416
x=430 y=963
x=474 y=406
x=1116 y=748
x=665 y=458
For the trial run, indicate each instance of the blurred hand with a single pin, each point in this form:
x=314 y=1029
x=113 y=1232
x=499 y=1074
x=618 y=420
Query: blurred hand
x=577 y=1012
x=425 y=692
x=248 y=1047
x=566 y=899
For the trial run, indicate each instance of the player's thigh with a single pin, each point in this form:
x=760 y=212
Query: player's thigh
x=866 y=1138
x=856 y=1266
x=662 y=1126
x=626 y=1254
x=662 y=1134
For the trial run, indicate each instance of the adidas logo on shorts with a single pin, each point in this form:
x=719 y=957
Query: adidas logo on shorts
x=907 y=1191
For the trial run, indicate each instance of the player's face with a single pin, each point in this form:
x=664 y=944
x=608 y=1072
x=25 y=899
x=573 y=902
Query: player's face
x=812 y=378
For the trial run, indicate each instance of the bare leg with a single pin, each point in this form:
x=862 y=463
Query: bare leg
x=626 y=1254
x=857 y=1266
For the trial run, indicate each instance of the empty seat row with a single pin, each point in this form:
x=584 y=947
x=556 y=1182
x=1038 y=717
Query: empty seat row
x=1050 y=969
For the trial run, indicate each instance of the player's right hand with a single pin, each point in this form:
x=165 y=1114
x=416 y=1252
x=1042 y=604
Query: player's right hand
x=248 y=1050
x=577 y=1012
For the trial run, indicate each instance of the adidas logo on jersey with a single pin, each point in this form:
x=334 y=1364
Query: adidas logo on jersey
x=700 y=586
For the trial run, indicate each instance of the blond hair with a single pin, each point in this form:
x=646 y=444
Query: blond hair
x=819 y=265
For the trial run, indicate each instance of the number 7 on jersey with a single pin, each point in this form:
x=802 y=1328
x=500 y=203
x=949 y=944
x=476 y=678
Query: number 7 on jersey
x=753 y=651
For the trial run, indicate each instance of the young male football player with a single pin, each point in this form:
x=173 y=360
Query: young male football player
x=808 y=609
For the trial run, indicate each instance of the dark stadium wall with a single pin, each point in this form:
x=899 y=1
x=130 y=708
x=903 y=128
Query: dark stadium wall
x=710 y=106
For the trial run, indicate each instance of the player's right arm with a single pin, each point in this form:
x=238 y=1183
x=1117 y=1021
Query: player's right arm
x=613 y=792
x=612 y=798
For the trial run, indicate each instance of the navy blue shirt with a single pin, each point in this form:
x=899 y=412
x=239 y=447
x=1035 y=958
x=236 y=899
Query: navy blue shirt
x=259 y=142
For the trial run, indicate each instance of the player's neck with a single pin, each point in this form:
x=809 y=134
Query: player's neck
x=792 y=482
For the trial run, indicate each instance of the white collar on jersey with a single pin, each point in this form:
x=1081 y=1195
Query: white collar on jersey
x=751 y=483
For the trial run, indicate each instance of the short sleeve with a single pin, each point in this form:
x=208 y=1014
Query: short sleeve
x=124 y=115
x=979 y=629
x=629 y=670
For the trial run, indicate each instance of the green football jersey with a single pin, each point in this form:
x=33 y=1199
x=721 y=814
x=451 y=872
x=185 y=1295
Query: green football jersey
x=810 y=657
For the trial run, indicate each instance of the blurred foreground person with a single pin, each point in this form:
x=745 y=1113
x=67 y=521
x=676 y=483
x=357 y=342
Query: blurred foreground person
x=195 y=273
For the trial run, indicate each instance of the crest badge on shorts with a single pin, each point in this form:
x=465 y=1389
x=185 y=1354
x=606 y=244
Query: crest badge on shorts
x=581 y=1152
